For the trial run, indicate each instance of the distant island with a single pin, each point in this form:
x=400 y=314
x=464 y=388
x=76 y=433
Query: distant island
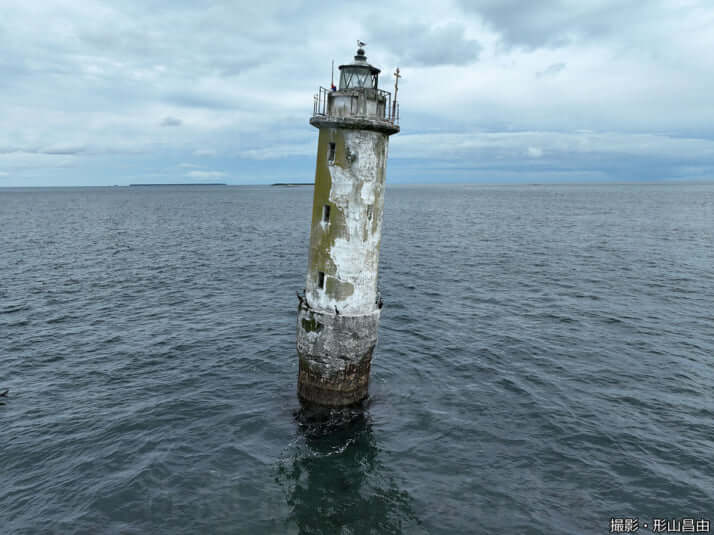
x=183 y=184
x=284 y=184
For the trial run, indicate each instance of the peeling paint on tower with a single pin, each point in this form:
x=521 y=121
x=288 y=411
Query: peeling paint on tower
x=339 y=314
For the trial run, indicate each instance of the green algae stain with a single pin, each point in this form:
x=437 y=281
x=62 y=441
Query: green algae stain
x=381 y=152
x=311 y=325
x=338 y=290
x=322 y=237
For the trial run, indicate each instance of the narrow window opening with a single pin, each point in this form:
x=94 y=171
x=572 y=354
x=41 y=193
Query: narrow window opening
x=331 y=154
x=369 y=212
x=326 y=213
x=321 y=280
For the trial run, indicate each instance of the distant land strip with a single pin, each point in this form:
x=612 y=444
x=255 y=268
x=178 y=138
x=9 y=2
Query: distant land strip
x=183 y=184
x=293 y=184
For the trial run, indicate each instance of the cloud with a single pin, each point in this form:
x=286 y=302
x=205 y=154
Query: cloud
x=204 y=152
x=551 y=70
x=62 y=150
x=422 y=44
x=20 y=161
x=279 y=151
x=54 y=150
x=205 y=174
x=573 y=145
x=551 y=23
x=556 y=86
x=534 y=152
x=171 y=121
x=198 y=99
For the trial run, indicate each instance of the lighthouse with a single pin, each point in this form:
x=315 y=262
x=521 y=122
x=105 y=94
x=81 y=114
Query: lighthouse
x=338 y=315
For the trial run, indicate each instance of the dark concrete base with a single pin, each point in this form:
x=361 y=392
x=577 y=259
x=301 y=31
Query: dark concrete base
x=335 y=354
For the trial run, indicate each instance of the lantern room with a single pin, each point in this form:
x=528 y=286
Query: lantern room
x=359 y=74
x=358 y=96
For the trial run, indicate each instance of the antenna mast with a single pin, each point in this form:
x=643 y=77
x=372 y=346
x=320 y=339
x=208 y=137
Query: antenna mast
x=397 y=76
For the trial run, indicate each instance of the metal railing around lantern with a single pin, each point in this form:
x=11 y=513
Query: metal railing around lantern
x=390 y=112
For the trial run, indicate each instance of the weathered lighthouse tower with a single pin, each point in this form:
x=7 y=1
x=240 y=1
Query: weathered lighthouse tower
x=339 y=314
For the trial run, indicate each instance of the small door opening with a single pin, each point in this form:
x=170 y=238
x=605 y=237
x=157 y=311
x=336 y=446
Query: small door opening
x=331 y=154
x=326 y=213
x=321 y=280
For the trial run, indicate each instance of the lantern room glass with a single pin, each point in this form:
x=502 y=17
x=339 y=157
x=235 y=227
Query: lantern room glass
x=357 y=77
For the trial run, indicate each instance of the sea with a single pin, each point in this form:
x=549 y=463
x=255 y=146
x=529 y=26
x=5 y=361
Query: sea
x=545 y=364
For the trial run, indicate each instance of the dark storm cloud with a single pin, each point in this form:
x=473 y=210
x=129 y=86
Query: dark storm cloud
x=422 y=44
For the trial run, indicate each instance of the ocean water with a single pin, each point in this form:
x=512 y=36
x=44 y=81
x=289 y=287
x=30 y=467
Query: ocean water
x=545 y=363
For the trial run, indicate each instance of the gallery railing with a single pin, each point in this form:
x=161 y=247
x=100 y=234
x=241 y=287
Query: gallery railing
x=390 y=111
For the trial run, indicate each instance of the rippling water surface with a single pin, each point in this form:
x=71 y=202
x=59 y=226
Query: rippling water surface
x=545 y=362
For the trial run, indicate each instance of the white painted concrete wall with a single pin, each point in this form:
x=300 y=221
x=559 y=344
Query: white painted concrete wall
x=358 y=190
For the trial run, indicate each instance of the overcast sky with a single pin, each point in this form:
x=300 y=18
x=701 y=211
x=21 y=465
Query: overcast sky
x=101 y=93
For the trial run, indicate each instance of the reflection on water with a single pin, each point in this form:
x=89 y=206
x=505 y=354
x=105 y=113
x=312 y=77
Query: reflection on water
x=334 y=481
